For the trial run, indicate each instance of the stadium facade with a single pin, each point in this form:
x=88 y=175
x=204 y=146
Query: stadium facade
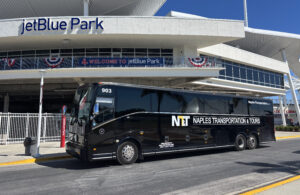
x=85 y=41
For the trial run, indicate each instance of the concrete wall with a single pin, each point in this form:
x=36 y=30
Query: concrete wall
x=136 y=25
x=127 y=31
x=245 y=57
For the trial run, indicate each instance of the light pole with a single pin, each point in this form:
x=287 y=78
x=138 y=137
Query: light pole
x=37 y=154
x=245 y=13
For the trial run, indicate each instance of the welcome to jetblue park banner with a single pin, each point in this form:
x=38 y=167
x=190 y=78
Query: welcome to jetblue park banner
x=120 y=62
x=79 y=62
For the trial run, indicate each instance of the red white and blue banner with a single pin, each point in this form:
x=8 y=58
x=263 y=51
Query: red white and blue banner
x=198 y=62
x=53 y=62
x=121 y=62
x=10 y=62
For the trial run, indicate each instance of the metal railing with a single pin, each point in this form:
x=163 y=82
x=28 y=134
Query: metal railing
x=24 y=63
x=14 y=127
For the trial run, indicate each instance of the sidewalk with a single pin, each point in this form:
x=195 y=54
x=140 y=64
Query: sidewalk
x=16 y=152
x=289 y=188
x=280 y=134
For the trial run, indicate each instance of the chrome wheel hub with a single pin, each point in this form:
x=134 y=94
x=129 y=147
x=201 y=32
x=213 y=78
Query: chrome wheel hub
x=251 y=142
x=241 y=143
x=128 y=152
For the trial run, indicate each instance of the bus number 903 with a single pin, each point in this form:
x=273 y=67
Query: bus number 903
x=106 y=90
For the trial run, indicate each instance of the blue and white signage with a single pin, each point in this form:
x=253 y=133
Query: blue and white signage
x=120 y=62
x=49 y=24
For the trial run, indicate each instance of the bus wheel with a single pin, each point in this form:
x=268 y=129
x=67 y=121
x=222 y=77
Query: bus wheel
x=240 y=142
x=127 y=153
x=252 y=142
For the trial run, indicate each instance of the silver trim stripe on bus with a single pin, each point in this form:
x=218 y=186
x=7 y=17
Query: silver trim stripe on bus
x=189 y=149
x=102 y=157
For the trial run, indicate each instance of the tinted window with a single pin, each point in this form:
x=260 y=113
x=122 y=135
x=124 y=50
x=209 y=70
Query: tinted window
x=250 y=74
x=172 y=102
x=228 y=70
x=243 y=73
x=261 y=77
x=267 y=78
x=236 y=71
x=260 y=107
x=194 y=104
x=134 y=100
x=216 y=104
x=255 y=76
x=272 y=78
x=238 y=106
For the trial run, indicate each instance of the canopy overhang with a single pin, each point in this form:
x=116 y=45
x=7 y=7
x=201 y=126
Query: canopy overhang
x=270 y=44
x=43 y=8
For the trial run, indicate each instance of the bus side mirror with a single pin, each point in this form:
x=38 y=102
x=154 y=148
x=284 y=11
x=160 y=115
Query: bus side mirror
x=96 y=109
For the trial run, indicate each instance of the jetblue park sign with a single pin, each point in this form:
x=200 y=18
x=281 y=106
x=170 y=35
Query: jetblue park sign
x=48 y=24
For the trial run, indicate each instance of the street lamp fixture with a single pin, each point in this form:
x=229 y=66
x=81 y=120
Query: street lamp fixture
x=38 y=141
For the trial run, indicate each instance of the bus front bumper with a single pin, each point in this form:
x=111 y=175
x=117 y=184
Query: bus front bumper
x=74 y=150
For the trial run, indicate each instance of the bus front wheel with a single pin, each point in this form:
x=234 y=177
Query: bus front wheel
x=252 y=142
x=240 y=142
x=127 y=153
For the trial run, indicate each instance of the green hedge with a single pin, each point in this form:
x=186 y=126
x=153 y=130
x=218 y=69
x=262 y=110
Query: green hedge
x=288 y=128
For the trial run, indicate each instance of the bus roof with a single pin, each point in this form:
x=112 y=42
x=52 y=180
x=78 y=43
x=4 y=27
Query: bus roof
x=175 y=90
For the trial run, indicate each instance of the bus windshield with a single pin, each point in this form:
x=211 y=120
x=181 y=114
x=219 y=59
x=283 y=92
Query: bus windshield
x=82 y=103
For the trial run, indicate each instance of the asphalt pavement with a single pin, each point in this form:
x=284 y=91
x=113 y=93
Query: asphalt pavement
x=208 y=172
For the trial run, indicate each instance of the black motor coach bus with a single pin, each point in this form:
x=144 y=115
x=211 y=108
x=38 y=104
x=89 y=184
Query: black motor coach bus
x=128 y=122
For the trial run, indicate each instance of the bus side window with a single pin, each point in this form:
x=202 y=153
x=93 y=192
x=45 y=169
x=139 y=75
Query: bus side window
x=192 y=106
x=216 y=105
x=260 y=109
x=103 y=109
x=172 y=102
x=134 y=100
x=238 y=106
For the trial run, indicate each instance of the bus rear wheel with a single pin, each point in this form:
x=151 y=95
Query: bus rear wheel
x=252 y=142
x=240 y=142
x=127 y=153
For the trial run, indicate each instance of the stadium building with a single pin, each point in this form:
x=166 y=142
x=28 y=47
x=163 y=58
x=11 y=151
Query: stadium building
x=82 y=41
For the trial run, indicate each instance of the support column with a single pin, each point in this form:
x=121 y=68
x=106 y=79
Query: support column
x=86 y=7
x=296 y=104
x=181 y=55
x=189 y=52
x=285 y=102
x=282 y=111
x=6 y=103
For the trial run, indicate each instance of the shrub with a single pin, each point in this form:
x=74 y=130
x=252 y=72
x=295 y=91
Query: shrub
x=297 y=128
x=288 y=128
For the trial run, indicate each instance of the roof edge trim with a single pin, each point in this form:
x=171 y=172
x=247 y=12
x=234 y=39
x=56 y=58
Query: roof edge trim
x=272 y=33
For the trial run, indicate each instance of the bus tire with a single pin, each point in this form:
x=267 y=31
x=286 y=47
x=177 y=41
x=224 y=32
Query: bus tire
x=252 y=142
x=127 y=153
x=240 y=142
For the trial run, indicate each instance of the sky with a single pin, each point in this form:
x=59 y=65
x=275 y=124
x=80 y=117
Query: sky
x=278 y=15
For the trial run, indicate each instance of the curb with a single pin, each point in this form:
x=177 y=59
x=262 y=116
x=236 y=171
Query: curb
x=35 y=160
x=270 y=186
x=288 y=137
